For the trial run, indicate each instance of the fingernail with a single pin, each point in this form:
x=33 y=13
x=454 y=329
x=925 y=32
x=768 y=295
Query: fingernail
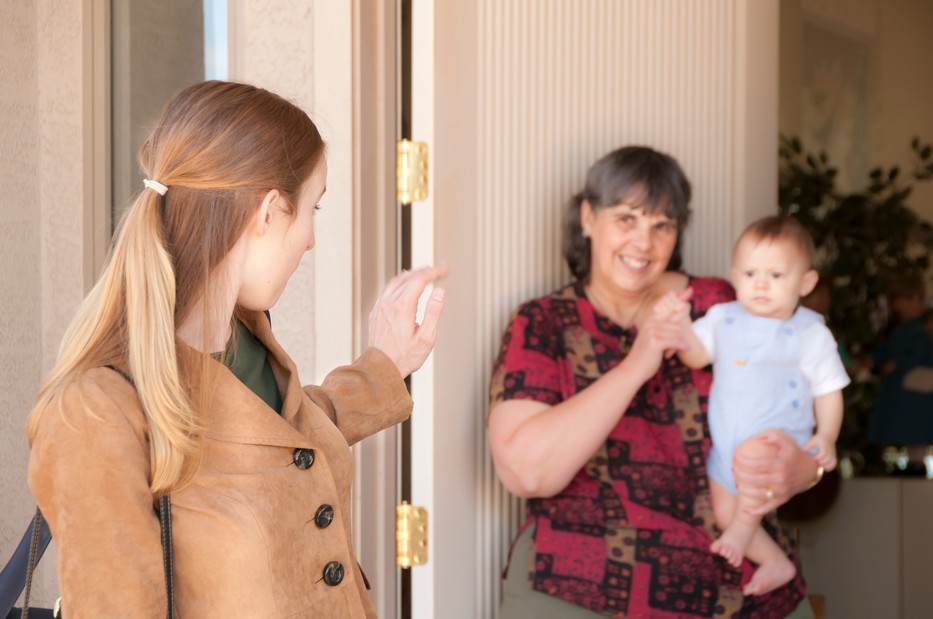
x=438 y=294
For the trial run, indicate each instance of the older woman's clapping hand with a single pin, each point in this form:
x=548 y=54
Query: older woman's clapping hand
x=658 y=337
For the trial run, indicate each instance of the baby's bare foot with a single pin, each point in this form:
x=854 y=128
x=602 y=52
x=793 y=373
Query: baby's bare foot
x=769 y=576
x=734 y=541
x=727 y=551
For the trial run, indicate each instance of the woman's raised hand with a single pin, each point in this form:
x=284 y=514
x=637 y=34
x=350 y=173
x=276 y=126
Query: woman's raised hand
x=657 y=337
x=393 y=326
x=661 y=334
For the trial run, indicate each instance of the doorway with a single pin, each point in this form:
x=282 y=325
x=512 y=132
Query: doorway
x=515 y=100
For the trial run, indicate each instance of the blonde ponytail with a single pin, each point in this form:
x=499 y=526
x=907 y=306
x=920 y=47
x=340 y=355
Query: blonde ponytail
x=150 y=335
x=133 y=305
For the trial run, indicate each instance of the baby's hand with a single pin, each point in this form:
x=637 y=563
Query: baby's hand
x=674 y=307
x=665 y=306
x=825 y=451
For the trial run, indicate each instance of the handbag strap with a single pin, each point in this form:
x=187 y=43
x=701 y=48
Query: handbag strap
x=33 y=559
x=17 y=574
x=168 y=556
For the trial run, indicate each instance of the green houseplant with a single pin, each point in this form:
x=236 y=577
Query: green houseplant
x=864 y=239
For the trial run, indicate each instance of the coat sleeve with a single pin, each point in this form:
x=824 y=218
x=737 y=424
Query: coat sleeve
x=89 y=471
x=364 y=397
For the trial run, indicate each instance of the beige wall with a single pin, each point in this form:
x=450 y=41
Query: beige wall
x=897 y=35
x=20 y=302
x=42 y=184
x=905 y=87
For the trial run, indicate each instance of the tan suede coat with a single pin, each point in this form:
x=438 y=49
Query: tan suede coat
x=245 y=537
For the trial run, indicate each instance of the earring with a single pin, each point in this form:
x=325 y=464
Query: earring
x=586 y=233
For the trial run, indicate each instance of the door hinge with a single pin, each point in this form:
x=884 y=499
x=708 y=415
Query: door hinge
x=411 y=535
x=411 y=171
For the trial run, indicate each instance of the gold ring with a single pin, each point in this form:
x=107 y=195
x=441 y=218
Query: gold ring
x=769 y=494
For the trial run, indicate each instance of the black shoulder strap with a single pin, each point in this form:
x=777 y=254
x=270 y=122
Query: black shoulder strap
x=168 y=556
x=17 y=573
x=125 y=376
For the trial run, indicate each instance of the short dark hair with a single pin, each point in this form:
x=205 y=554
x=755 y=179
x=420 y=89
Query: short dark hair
x=784 y=228
x=652 y=178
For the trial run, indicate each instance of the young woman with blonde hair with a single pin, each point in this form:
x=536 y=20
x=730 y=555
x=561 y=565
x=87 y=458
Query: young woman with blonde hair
x=170 y=382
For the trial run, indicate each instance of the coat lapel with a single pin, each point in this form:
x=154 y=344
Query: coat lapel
x=238 y=415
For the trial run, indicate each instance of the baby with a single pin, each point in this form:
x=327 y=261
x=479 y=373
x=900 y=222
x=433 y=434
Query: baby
x=775 y=366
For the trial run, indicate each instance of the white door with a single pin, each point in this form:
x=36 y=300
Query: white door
x=515 y=99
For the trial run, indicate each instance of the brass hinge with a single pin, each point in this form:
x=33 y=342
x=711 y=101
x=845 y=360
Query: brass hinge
x=411 y=171
x=411 y=535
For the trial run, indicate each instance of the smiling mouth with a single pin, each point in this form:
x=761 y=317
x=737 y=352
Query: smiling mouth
x=634 y=263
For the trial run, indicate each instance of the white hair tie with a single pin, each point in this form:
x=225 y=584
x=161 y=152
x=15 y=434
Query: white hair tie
x=156 y=186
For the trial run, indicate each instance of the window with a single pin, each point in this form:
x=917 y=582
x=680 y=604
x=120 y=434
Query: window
x=157 y=49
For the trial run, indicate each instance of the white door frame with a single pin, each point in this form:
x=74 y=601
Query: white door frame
x=422 y=254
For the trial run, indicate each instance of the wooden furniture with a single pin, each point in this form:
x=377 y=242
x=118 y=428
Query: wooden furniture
x=818 y=605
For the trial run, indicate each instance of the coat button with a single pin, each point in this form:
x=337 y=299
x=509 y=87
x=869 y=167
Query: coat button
x=304 y=458
x=324 y=516
x=333 y=573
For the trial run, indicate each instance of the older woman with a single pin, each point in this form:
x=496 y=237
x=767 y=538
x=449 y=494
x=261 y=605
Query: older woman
x=604 y=432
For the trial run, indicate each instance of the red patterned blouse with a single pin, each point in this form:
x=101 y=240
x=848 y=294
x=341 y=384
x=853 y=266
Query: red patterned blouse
x=630 y=535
